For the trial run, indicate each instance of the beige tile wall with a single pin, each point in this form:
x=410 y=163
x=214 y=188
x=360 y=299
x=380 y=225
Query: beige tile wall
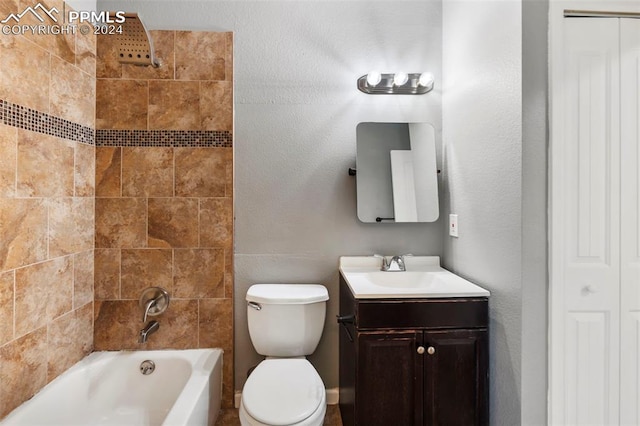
x=191 y=90
x=164 y=215
x=46 y=213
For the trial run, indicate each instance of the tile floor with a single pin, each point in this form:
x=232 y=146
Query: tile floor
x=229 y=417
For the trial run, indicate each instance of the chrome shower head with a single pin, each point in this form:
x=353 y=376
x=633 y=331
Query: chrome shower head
x=135 y=45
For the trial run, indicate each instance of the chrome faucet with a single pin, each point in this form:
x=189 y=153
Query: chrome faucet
x=150 y=328
x=396 y=264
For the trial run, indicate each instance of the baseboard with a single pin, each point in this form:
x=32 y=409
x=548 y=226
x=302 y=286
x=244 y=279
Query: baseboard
x=332 y=397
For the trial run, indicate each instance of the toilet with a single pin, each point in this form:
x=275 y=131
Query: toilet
x=285 y=324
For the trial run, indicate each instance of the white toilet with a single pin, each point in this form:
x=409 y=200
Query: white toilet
x=285 y=325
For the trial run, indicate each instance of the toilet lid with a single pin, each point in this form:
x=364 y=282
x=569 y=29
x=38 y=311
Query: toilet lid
x=282 y=391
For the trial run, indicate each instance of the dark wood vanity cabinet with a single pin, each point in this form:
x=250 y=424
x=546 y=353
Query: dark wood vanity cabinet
x=412 y=362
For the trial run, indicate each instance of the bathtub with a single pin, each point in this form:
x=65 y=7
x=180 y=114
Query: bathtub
x=108 y=388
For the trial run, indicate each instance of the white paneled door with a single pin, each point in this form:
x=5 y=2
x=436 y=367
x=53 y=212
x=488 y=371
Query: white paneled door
x=595 y=230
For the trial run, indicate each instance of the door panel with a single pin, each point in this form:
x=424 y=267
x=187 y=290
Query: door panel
x=586 y=233
x=586 y=375
x=630 y=228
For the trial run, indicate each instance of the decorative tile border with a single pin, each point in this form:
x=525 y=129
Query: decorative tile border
x=165 y=138
x=30 y=119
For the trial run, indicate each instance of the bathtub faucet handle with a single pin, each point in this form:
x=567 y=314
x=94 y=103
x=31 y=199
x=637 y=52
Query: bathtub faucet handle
x=150 y=304
x=153 y=301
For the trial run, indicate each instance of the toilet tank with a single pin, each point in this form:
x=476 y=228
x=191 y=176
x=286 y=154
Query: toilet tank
x=286 y=320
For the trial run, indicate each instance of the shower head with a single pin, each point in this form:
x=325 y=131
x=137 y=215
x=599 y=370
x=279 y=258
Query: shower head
x=134 y=43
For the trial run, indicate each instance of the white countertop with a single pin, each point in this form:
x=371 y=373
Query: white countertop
x=423 y=278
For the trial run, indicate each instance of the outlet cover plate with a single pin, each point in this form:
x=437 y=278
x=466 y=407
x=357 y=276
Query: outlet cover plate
x=453 y=225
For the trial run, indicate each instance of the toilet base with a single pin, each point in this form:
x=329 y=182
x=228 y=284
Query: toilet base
x=316 y=419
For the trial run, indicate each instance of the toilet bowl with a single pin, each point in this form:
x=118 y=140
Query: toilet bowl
x=283 y=392
x=285 y=324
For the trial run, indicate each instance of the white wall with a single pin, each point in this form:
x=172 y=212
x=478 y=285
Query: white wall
x=296 y=111
x=482 y=142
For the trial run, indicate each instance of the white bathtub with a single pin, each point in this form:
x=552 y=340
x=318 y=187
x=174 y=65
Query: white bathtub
x=107 y=388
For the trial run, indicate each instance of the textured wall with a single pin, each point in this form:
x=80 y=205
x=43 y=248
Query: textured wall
x=535 y=18
x=47 y=98
x=164 y=194
x=482 y=142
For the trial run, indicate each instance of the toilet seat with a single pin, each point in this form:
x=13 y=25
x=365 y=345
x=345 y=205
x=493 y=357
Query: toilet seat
x=284 y=392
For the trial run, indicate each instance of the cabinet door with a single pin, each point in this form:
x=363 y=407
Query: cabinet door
x=456 y=377
x=389 y=380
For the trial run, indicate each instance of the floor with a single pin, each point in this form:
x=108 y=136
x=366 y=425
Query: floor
x=229 y=417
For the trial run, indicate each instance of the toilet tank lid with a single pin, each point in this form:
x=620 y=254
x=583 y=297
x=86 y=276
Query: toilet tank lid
x=287 y=294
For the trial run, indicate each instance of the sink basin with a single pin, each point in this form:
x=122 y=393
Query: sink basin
x=424 y=278
x=409 y=279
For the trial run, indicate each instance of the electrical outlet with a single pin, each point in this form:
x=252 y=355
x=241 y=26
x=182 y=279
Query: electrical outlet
x=453 y=225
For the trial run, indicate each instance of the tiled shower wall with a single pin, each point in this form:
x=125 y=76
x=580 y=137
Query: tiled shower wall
x=47 y=158
x=164 y=194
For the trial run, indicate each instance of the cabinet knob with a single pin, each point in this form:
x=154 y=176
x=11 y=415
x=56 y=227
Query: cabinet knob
x=420 y=350
x=431 y=350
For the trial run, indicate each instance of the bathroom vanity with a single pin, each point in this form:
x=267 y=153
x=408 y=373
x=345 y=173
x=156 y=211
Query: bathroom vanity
x=413 y=345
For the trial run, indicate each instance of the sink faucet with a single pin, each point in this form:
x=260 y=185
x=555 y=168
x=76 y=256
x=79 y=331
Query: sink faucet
x=150 y=328
x=396 y=264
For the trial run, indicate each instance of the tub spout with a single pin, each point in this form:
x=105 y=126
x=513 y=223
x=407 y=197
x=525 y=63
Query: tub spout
x=150 y=328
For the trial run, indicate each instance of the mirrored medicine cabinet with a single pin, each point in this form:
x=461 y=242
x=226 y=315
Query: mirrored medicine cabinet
x=396 y=172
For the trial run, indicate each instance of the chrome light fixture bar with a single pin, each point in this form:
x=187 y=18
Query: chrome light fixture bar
x=399 y=83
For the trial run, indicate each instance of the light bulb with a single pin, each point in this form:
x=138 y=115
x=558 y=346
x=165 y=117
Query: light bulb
x=426 y=79
x=400 y=78
x=373 y=78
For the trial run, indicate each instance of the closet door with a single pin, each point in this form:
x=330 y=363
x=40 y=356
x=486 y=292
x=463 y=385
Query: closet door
x=630 y=213
x=585 y=361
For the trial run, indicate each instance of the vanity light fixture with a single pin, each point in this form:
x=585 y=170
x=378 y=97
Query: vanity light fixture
x=399 y=83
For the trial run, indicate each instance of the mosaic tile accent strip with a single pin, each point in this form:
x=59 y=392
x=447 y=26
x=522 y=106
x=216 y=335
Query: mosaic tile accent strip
x=30 y=119
x=165 y=138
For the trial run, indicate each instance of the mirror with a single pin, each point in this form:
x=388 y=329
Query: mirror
x=396 y=172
